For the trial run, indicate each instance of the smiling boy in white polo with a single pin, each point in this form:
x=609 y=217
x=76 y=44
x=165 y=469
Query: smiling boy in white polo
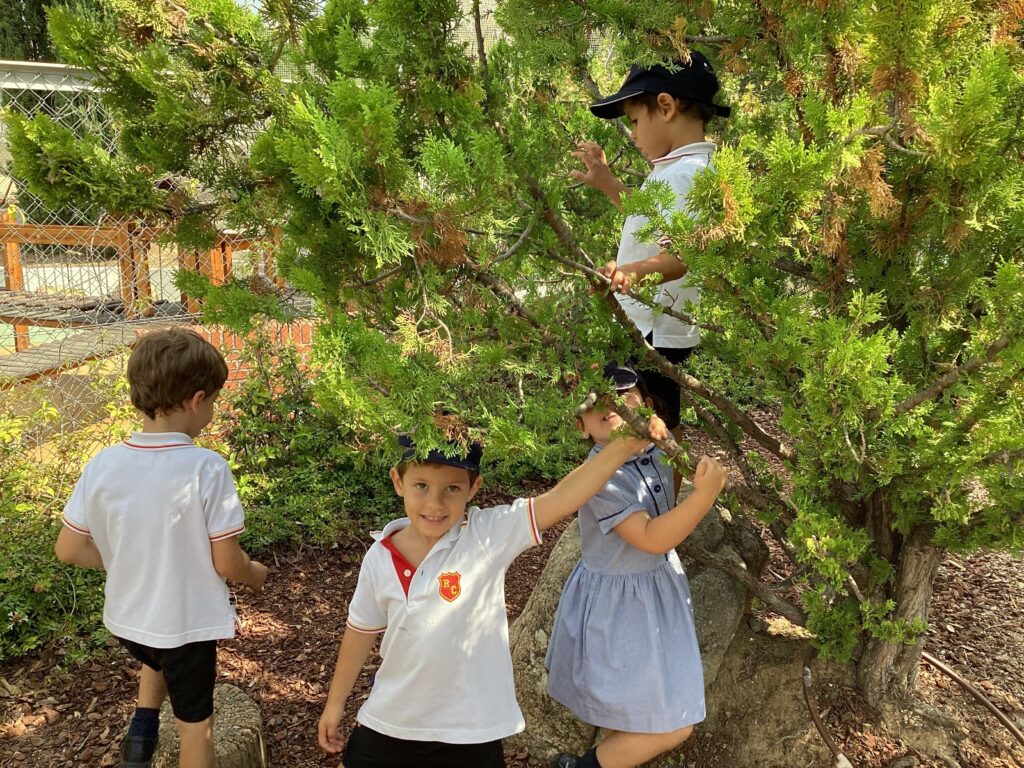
x=434 y=584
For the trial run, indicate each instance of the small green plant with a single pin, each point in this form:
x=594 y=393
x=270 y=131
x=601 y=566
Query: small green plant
x=42 y=600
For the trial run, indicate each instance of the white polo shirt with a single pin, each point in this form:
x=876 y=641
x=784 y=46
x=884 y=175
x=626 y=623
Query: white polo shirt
x=446 y=669
x=152 y=505
x=676 y=169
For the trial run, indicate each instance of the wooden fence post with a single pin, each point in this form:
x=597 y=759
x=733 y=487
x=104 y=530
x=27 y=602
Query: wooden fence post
x=14 y=280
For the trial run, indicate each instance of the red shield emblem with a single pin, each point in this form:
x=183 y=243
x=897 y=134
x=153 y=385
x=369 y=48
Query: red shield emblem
x=448 y=585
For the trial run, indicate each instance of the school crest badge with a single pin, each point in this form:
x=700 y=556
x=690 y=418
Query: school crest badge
x=449 y=586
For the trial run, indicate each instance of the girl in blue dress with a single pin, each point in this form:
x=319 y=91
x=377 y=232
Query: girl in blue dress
x=623 y=654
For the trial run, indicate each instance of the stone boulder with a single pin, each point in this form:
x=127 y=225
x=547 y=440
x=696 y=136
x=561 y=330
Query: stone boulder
x=237 y=732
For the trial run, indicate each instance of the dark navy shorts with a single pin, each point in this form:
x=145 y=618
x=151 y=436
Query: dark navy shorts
x=368 y=749
x=663 y=390
x=189 y=671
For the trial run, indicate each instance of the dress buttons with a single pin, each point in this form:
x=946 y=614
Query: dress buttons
x=645 y=462
x=408 y=573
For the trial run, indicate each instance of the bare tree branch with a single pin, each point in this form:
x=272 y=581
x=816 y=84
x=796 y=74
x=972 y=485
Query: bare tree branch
x=744 y=494
x=946 y=380
x=602 y=283
x=481 y=52
x=384 y=275
x=695 y=385
x=1002 y=457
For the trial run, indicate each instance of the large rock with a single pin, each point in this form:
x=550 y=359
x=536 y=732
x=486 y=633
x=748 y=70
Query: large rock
x=719 y=605
x=550 y=727
x=237 y=732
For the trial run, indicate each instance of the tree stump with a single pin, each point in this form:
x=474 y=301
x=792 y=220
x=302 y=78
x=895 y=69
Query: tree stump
x=237 y=732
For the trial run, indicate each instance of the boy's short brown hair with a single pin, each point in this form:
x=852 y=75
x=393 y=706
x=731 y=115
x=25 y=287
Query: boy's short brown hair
x=168 y=367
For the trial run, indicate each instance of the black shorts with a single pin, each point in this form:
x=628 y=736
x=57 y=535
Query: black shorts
x=189 y=671
x=663 y=390
x=368 y=749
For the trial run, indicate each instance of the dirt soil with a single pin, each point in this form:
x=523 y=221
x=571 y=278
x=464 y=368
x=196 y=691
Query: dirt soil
x=51 y=716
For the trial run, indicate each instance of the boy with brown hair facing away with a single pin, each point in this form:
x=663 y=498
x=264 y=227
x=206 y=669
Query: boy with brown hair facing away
x=434 y=584
x=162 y=517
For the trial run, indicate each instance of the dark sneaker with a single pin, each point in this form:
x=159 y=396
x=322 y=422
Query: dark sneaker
x=562 y=760
x=137 y=751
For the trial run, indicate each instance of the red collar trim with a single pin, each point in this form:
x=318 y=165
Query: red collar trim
x=152 y=447
x=403 y=568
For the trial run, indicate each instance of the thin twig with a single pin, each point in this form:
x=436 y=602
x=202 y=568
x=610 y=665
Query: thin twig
x=981 y=698
x=946 y=380
x=812 y=706
x=602 y=282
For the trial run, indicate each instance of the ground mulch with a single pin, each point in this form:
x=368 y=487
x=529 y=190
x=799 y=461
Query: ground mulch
x=52 y=716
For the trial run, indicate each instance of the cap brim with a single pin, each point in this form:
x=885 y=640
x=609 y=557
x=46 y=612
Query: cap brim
x=610 y=107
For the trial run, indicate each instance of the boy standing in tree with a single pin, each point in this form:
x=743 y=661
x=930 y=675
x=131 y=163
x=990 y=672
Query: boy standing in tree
x=162 y=517
x=668 y=110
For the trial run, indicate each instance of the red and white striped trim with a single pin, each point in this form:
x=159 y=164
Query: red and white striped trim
x=221 y=535
x=76 y=528
x=533 y=522
x=364 y=630
x=158 y=447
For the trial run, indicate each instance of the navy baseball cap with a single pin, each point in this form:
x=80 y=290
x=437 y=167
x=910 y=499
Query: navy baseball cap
x=466 y=459
x=622 y=378
x=693 y=81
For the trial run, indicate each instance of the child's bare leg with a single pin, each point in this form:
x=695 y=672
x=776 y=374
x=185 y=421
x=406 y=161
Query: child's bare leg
x=152 y=688
x=196 y=744
x=627 y=750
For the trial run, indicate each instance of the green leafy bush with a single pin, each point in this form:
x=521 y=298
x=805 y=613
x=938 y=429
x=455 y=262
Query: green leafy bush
x=41 y=599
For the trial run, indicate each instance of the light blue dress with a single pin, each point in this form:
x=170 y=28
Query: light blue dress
x=623 y=652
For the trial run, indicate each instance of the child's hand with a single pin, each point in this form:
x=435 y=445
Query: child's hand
x=656 y=429
x=618 y=280
x=327 y=732
x=257 y=576
x=709 y=477
x=598 y=175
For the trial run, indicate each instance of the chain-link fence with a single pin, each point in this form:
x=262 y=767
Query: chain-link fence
x=78 y=285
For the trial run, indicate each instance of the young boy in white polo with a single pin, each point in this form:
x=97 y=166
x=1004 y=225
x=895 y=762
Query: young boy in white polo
x=162 y=517
x=668 y=110
x=434 y=584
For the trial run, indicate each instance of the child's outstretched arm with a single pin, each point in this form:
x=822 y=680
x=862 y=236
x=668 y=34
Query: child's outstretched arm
x=352 y=654
x=598 y=174
x=666 y=532
x=77 y=549
x=576 y=488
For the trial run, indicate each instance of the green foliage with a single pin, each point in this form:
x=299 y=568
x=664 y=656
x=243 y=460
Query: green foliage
x=23 y=35
x=296 y=476
x=42 y=600
x=857 y=241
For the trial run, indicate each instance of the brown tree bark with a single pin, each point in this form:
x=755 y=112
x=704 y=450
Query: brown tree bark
x=889 y=670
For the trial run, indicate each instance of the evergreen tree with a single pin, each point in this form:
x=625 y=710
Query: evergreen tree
x=23 y=34
x=858 y=244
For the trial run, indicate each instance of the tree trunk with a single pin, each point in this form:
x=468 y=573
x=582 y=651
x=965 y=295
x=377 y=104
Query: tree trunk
x=889 y=670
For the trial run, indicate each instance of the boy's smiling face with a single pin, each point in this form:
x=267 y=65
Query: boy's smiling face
x=600 y=421
x=435 y=496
